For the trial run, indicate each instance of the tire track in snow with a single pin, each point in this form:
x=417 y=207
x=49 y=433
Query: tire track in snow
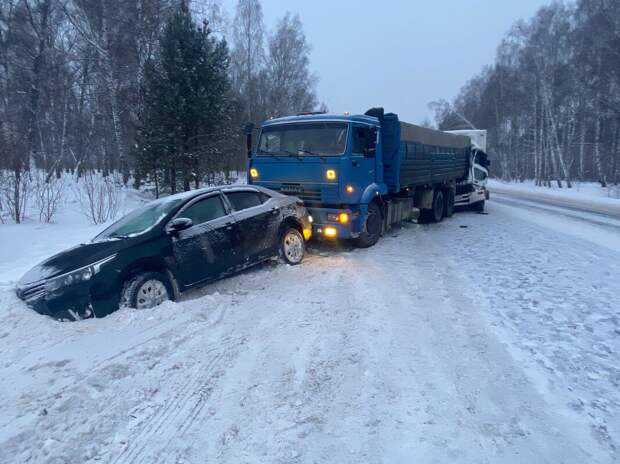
x=172 y=416
x=178 y=415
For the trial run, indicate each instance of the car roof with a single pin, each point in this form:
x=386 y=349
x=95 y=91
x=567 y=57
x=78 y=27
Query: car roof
x=191 y=194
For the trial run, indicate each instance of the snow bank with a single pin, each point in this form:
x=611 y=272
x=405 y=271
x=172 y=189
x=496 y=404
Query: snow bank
x=24 y=245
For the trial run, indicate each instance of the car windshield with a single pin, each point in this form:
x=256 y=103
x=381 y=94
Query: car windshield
x=139 y=220
x=306 y=139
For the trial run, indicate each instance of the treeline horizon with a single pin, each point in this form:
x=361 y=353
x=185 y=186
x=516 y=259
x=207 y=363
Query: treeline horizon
x=152 y=91
x=551 y=100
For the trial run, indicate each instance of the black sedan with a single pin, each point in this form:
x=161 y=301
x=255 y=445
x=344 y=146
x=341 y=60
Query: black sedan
x=166 y=247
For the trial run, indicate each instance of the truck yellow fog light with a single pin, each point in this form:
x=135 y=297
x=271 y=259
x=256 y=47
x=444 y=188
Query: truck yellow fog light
x=307 y=234
x=343 y=218
x=349 y=189
x=330 y=232
x=253 y=173
x=330 y=174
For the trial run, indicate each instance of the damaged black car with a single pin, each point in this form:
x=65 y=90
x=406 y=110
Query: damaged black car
x=158 y=251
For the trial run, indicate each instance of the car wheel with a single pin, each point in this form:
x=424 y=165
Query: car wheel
x=292 y=246
x=145 y=291
x=374 y=224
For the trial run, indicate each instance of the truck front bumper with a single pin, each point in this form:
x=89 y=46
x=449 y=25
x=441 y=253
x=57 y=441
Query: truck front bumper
x=327 y=224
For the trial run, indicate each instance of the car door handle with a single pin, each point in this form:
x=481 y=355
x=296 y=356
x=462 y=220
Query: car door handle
x=229 y=225
x=275 y=210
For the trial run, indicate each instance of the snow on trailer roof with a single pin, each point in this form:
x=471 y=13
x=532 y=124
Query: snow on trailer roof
x=322 y=117
x=432 y=137
x=408 y=131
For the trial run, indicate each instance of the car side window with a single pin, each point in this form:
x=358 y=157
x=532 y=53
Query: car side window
x=205 y=210
x=244 y=200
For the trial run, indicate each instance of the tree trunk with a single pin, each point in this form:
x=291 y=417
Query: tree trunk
x=597 y=150
x=111 y=88
x=582 y=147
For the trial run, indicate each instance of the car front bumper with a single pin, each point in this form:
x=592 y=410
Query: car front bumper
x=73 y=302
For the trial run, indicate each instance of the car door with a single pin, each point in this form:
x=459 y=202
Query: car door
x=258 y=220
x=211 y=246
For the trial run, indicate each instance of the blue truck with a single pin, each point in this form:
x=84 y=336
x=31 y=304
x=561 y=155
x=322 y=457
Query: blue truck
x=360 y=174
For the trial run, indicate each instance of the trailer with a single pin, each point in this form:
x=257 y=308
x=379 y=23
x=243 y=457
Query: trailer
x=360 y=174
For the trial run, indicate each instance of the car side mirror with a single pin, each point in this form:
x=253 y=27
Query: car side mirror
x=180 y=224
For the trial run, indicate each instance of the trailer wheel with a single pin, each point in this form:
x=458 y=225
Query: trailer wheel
x=436 y=213
x=449 y=206
x=478 y=206
x=438 y=206
x=372 y=231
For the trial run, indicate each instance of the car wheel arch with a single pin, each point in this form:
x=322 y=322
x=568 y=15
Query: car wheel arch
x=151 y=264
x=290 y=221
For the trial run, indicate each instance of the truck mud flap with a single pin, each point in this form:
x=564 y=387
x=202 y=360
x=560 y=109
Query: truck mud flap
x=398 y=210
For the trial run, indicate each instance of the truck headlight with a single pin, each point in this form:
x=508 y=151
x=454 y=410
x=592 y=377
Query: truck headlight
x=342 y=218
x=253 y=173
x=330 y=174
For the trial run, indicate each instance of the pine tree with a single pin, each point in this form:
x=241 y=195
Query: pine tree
x=185 y=112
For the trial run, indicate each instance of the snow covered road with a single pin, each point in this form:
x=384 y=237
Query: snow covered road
x=486 y=338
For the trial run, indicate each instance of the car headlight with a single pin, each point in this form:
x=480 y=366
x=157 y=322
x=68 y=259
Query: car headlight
x=82 y=274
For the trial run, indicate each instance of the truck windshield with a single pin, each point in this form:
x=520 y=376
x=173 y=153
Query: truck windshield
x=304 y=139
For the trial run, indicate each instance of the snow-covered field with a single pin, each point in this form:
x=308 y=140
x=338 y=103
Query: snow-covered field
x=486 y=338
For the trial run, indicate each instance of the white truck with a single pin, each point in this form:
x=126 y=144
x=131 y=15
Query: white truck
x=472 y=192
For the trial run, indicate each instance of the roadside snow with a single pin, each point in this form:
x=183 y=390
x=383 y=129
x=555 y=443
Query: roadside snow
x=583 y=195
x=24 y=245
x=483 y=339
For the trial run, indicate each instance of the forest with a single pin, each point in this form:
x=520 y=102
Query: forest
x=136 y=93
x=551 y=100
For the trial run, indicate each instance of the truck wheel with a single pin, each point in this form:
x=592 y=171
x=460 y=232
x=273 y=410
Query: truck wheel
x=449 y=206
x=438 y=206
x=372 y=232
x=478 y=206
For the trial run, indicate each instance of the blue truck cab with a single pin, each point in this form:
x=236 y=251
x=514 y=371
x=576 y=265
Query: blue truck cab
x=359 y=174
x=334 y=163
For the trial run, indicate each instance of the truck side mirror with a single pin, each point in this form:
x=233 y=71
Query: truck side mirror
x=370 y=150
x=249 y=128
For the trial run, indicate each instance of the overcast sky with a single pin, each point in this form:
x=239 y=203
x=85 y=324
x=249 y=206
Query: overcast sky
x=399 y=54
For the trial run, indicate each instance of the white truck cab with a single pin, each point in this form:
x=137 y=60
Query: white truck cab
x=473 y=192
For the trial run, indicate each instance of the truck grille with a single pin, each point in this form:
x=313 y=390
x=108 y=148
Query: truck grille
x=310 y=195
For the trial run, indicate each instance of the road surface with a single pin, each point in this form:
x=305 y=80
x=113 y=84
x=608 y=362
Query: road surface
x=486 y=338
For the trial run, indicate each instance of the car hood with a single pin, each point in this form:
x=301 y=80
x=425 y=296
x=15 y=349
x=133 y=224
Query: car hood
x=73 y=258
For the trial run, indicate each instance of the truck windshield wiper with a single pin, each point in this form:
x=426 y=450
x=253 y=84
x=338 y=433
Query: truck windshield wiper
x=311 y=153
x=289 y=152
